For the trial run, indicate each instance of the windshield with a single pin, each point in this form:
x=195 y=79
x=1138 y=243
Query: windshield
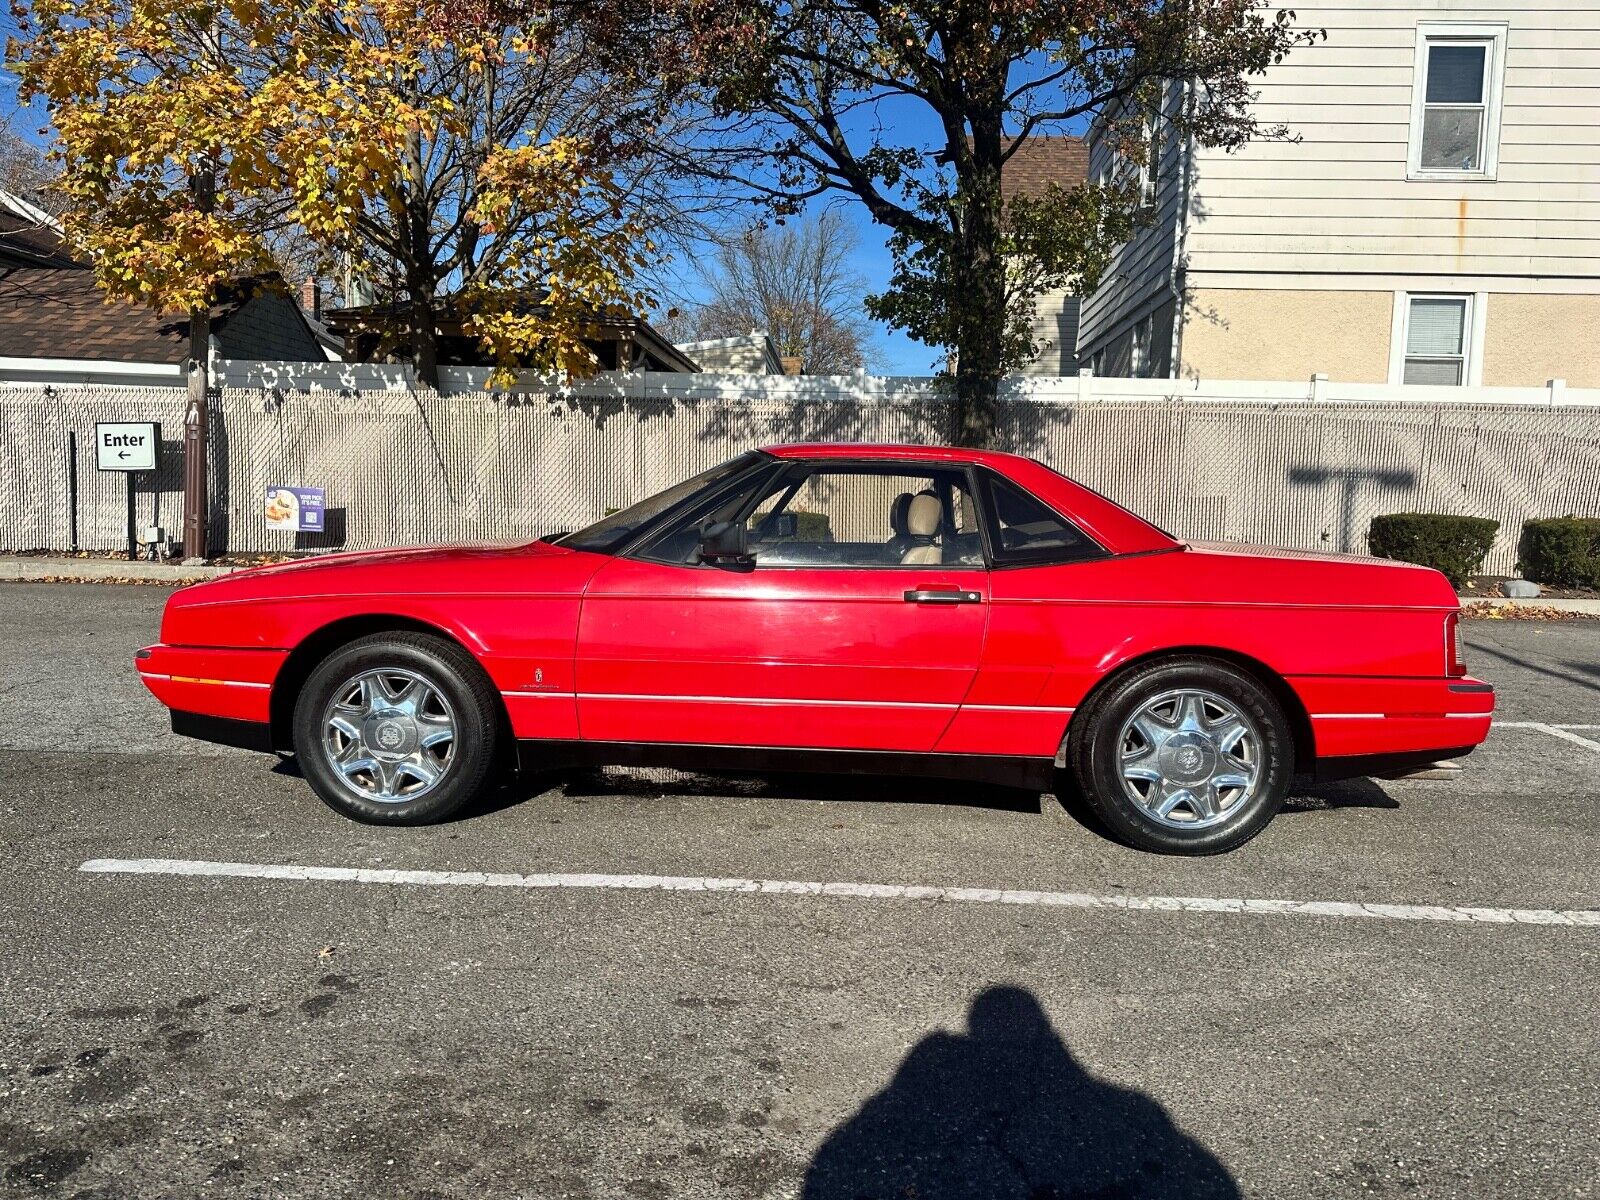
x=610 y=534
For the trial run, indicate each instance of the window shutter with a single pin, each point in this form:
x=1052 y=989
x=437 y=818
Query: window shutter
x=1440 y=372
x=1436 y=326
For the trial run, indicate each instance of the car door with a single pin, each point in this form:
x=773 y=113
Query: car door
x=857 y=622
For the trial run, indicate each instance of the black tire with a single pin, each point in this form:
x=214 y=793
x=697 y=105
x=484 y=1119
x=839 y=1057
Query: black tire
x=1095 y=754
x=470 y=702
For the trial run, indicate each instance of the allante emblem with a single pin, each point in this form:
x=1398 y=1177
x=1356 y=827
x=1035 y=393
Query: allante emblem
x=1189 y=759
x=390 y=736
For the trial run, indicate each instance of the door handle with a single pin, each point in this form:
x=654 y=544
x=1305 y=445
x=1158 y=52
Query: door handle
x=942 y=596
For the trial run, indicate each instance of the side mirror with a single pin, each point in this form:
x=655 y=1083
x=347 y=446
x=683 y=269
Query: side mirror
x=723 y=543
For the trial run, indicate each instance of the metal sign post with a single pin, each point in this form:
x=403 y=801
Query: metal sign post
x=129 y=447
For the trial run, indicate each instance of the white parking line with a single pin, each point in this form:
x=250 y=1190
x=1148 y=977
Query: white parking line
x=1564 y=732
x=853 y=891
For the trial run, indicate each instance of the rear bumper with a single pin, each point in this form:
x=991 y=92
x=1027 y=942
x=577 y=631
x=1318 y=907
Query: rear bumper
x=1360 y=717
x=207 y=681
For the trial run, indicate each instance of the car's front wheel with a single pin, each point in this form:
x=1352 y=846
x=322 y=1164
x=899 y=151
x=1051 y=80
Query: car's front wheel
x=1184 y=756
x=397 y=729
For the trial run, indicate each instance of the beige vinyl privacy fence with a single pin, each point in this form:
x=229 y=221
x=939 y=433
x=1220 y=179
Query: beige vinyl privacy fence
x=412 y=467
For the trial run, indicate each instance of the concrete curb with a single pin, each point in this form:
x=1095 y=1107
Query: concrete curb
x=98 y=570
x=1591 y=607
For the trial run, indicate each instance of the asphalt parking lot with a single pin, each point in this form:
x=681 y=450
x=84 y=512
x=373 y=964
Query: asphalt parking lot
x=569 y=993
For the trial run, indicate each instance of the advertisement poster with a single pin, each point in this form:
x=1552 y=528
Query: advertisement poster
x=295 y=508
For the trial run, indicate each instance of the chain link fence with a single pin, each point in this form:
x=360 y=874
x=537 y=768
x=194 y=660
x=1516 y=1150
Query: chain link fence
x=413 y=467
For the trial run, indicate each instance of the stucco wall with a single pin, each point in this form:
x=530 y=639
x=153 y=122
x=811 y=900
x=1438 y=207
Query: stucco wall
x=1530 y=339
x=1240 y=334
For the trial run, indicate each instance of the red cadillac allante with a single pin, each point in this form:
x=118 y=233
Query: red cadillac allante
x=909 y=609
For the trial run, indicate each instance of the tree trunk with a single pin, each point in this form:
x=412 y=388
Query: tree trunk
x=979 y=276
x=197 y=409
x=197 y=438
x=421 y=315
x=424 y=328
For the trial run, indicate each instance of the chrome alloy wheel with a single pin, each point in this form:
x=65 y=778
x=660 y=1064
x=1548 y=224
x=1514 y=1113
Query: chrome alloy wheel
x=389 y=735
x=1190 y=759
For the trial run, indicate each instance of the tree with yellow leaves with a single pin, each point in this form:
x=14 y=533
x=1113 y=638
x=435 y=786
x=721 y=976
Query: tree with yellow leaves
x=475 y=156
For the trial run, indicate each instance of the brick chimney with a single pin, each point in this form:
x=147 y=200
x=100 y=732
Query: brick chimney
x=311 y=299
x=792 y=364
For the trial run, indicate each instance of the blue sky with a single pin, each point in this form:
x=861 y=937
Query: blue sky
x=893 y=352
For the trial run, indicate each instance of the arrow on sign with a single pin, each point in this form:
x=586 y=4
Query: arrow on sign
x=122 y=454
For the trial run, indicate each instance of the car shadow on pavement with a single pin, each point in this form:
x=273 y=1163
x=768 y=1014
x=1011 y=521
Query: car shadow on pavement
x=1005 y=1110
x=1585 y=675
x=643 y=783
x=798 y=786
x=1306 y=796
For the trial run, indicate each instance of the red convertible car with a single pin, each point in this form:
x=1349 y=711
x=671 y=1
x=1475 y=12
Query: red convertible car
x=912 y=609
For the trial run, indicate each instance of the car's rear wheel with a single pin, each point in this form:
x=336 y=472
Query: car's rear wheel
x=1184 y=756
x=397 y=729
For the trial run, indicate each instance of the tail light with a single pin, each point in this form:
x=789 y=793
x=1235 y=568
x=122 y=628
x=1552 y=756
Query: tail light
x=1455 y=662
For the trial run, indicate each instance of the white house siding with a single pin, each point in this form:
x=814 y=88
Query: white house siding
x=1289 y=253
x=753 y=354
x=1139 y=277
x=1055 y=333
x=1337 y=204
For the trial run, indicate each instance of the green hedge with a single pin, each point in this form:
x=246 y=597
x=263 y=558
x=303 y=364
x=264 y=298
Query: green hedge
x=809 y=526
x=1454 y=545
x=812 y=526
x=1562 y=551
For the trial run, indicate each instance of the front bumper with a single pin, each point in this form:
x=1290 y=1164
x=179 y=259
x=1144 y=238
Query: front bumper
x=210 y=681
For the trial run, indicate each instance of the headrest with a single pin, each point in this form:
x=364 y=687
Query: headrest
x=897 y=514
x=924 y=515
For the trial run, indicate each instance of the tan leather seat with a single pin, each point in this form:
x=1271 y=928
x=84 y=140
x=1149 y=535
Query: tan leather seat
x=922 y=523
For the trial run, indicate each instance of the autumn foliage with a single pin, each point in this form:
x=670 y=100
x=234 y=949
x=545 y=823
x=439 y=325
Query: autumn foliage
x=190 y=133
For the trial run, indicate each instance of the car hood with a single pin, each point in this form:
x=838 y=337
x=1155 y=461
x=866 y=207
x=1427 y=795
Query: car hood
x=429 y=557
x=418 y=571
x=274 y=606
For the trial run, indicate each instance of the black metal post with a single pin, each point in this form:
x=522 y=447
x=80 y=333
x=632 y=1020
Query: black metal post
x=72 y=484
x=133 y=533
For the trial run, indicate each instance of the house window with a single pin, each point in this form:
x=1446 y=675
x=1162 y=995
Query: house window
x=1150 y=172
x=1455 y=106
x=1144 y=334
x=1438 y=337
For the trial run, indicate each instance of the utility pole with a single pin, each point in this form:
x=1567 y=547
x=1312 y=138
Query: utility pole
x=197 y=412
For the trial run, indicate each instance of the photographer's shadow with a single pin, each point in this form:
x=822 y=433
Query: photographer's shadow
x=1004 y=1111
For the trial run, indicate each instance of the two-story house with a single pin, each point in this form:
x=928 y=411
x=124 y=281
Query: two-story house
x=1436 y=222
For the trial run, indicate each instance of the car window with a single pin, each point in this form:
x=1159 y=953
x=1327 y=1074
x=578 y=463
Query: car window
x=1023 y=529
x=610 y=533
x=843 y=516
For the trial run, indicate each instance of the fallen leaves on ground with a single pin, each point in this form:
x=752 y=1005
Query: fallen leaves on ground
x=119 y=579
x=1487 y=610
